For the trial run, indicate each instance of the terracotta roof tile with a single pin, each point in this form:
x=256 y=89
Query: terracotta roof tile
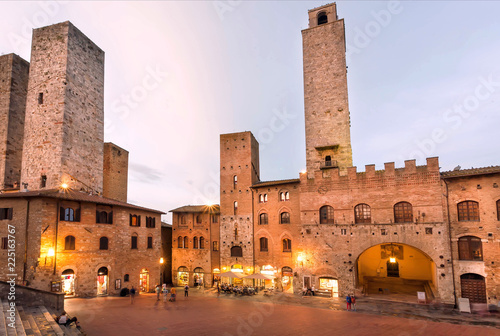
x=276 y=182
x=214 y=209
x=471 y=172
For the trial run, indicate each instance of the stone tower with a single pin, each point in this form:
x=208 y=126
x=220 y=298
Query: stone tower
x=328 y=139
x=13 y=88
x=115 y=172
x=63 y=134
x=239 y=170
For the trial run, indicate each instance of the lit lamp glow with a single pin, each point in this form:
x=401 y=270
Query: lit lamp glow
x=51 y=252
x=162 y=261
x=392 y=260
x=64 y=186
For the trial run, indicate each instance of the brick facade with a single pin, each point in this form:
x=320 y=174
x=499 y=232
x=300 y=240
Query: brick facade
x=115 y=172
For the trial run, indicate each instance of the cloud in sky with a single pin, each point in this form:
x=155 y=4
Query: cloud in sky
x=178 y=74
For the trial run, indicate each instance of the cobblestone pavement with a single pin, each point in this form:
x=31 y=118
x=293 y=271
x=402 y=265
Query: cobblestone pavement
x=207 y=314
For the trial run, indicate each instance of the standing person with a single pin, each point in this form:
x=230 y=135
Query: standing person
x=218 y=290
x=348 y=301
x=313 y=290
x=186 y=291
x=165 y=292
x=132 y=295
x=157 y=290
x=173 y=293
x=353 y=302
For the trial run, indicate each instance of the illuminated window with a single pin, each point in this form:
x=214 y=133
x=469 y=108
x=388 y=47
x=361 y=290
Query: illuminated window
x=235 y=181
x=468 y=211
x=287 y=245
x=403 y=212
x=263 y=219
x=470 y=248
x=285 y=218
x=135 y=220
x=263 y=244
x=326 y=215
x=69 y=243
x=284 y=196
x=262 y=198
x=362 y=213
x=235 y=208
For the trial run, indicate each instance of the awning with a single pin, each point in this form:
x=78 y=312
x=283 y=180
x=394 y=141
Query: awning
x=231 y=275
x=260 y=276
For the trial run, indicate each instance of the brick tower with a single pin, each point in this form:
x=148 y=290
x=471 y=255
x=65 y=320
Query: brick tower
x=115 y=172
x=13 y=87
x=239 y=170
x=328 y=139
x=64 y=111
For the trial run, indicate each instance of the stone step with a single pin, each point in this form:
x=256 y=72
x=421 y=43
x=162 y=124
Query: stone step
x=53 y=324
x=10 y=331
x=3 y=326
x=40 y=321
x=70 y=330
x=19 y=324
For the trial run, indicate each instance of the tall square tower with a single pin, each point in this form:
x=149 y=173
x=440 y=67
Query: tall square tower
x=13 y=88
x=64 y=111
x=328 y=139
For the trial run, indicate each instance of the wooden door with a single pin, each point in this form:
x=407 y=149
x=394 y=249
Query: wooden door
x=473 y=288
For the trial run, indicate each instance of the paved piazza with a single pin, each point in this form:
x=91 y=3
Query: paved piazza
x=208 y=315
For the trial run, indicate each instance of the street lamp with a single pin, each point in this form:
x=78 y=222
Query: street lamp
x=161 y=270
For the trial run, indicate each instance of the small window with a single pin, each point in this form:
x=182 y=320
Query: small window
x=215 y=246
x=262 y=198
x=235 y=181
x=322 y=18
x=285 y=218
x=403 y=212
x=498 y=210
x=126 y=278
x=215 y=219
x=383 y=232
x=134 y=242
x=328 y=161
x=180 y=242
x=287 y=245
x=343 y=232
x=69 y=243
x=69 y=214
x=150 y=222
x=236 y=251
x=40 y=98
x=263 y=219
x=183 y=219
x=470 y=248
x=43 y=181
x=198 y=219
x=326 y=215
x=135 y=220
x=150 y=242
x=284 y=196
x=362 y=213
x=6 y=213
x=103 y=243
x=202 y=243
x=186 y=241
x=235 y=208
x=5 y=243
x=468 y=211
x=195 y=242
x=104 y=217
x=263 y=244
x=428 y=230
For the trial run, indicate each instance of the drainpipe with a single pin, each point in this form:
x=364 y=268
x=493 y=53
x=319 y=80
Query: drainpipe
x=57 y=231
x=451 y=245
x=253 y=236
x=25 y=266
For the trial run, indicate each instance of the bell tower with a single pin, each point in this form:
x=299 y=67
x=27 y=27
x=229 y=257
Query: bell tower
x=328 y=136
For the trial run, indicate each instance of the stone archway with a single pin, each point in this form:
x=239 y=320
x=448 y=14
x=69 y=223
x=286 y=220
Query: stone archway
x=396 y=269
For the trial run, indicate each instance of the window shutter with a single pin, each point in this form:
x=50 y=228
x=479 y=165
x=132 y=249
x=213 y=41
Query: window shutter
x=130 y=216
x=9 y=213
x=110 y=218
x=463 y=250
x=138 y=220
x=77 y=215
x=97 y=219
x=61 y=213
x=154 y=221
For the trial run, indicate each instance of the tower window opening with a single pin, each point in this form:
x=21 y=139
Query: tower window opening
x=328 y=161
x=40 y=98
x=322 y=18
x=43 y=182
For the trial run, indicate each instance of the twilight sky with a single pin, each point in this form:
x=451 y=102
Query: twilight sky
x=424 y=80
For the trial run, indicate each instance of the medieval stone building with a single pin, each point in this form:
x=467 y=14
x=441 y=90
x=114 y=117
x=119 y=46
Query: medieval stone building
x=63 y=201
x=396 y=230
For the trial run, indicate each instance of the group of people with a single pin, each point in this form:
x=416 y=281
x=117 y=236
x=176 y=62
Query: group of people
x=351 y=302
x=243 y=290
x=164 y=291
x=308 y=291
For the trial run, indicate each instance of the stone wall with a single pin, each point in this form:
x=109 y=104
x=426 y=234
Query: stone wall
x=64 y=118
x=26 y=296
x=115 y=179
x=13 y=89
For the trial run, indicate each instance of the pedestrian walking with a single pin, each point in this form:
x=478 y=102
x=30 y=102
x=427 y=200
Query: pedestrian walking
x=353 y=302
x=186 y=291
x=173 y=293
x=132 y=295
x=158 y=290
x=164 y=292
x=313 y=290
x=348 y=301
x=218 y=290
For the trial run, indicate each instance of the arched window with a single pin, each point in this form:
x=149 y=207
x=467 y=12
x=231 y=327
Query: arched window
x=183 y=219
x=235 y=181
x=180 y=242
x=498 y=210
x=69 y=243
x=198 y=219
x=468 y=211
x=150 y=242
x=103 y=243
x=263 y=244
x=287 y=245
x=236 y=251
x=195 y=242
x=135 y=220
x=326 y=215
x=186 y=241
x=150 y=222
x=322 y=18
x=284 y=196
x=403 y=212
x=470 y=248
x=235 y=208
x=126 y=278
x=285 y=218
x=362 y=213
x=69 y=214
x=262 y=198
x=202 y=243
x=263 y=219
x=133 y=242
x=328 y=161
